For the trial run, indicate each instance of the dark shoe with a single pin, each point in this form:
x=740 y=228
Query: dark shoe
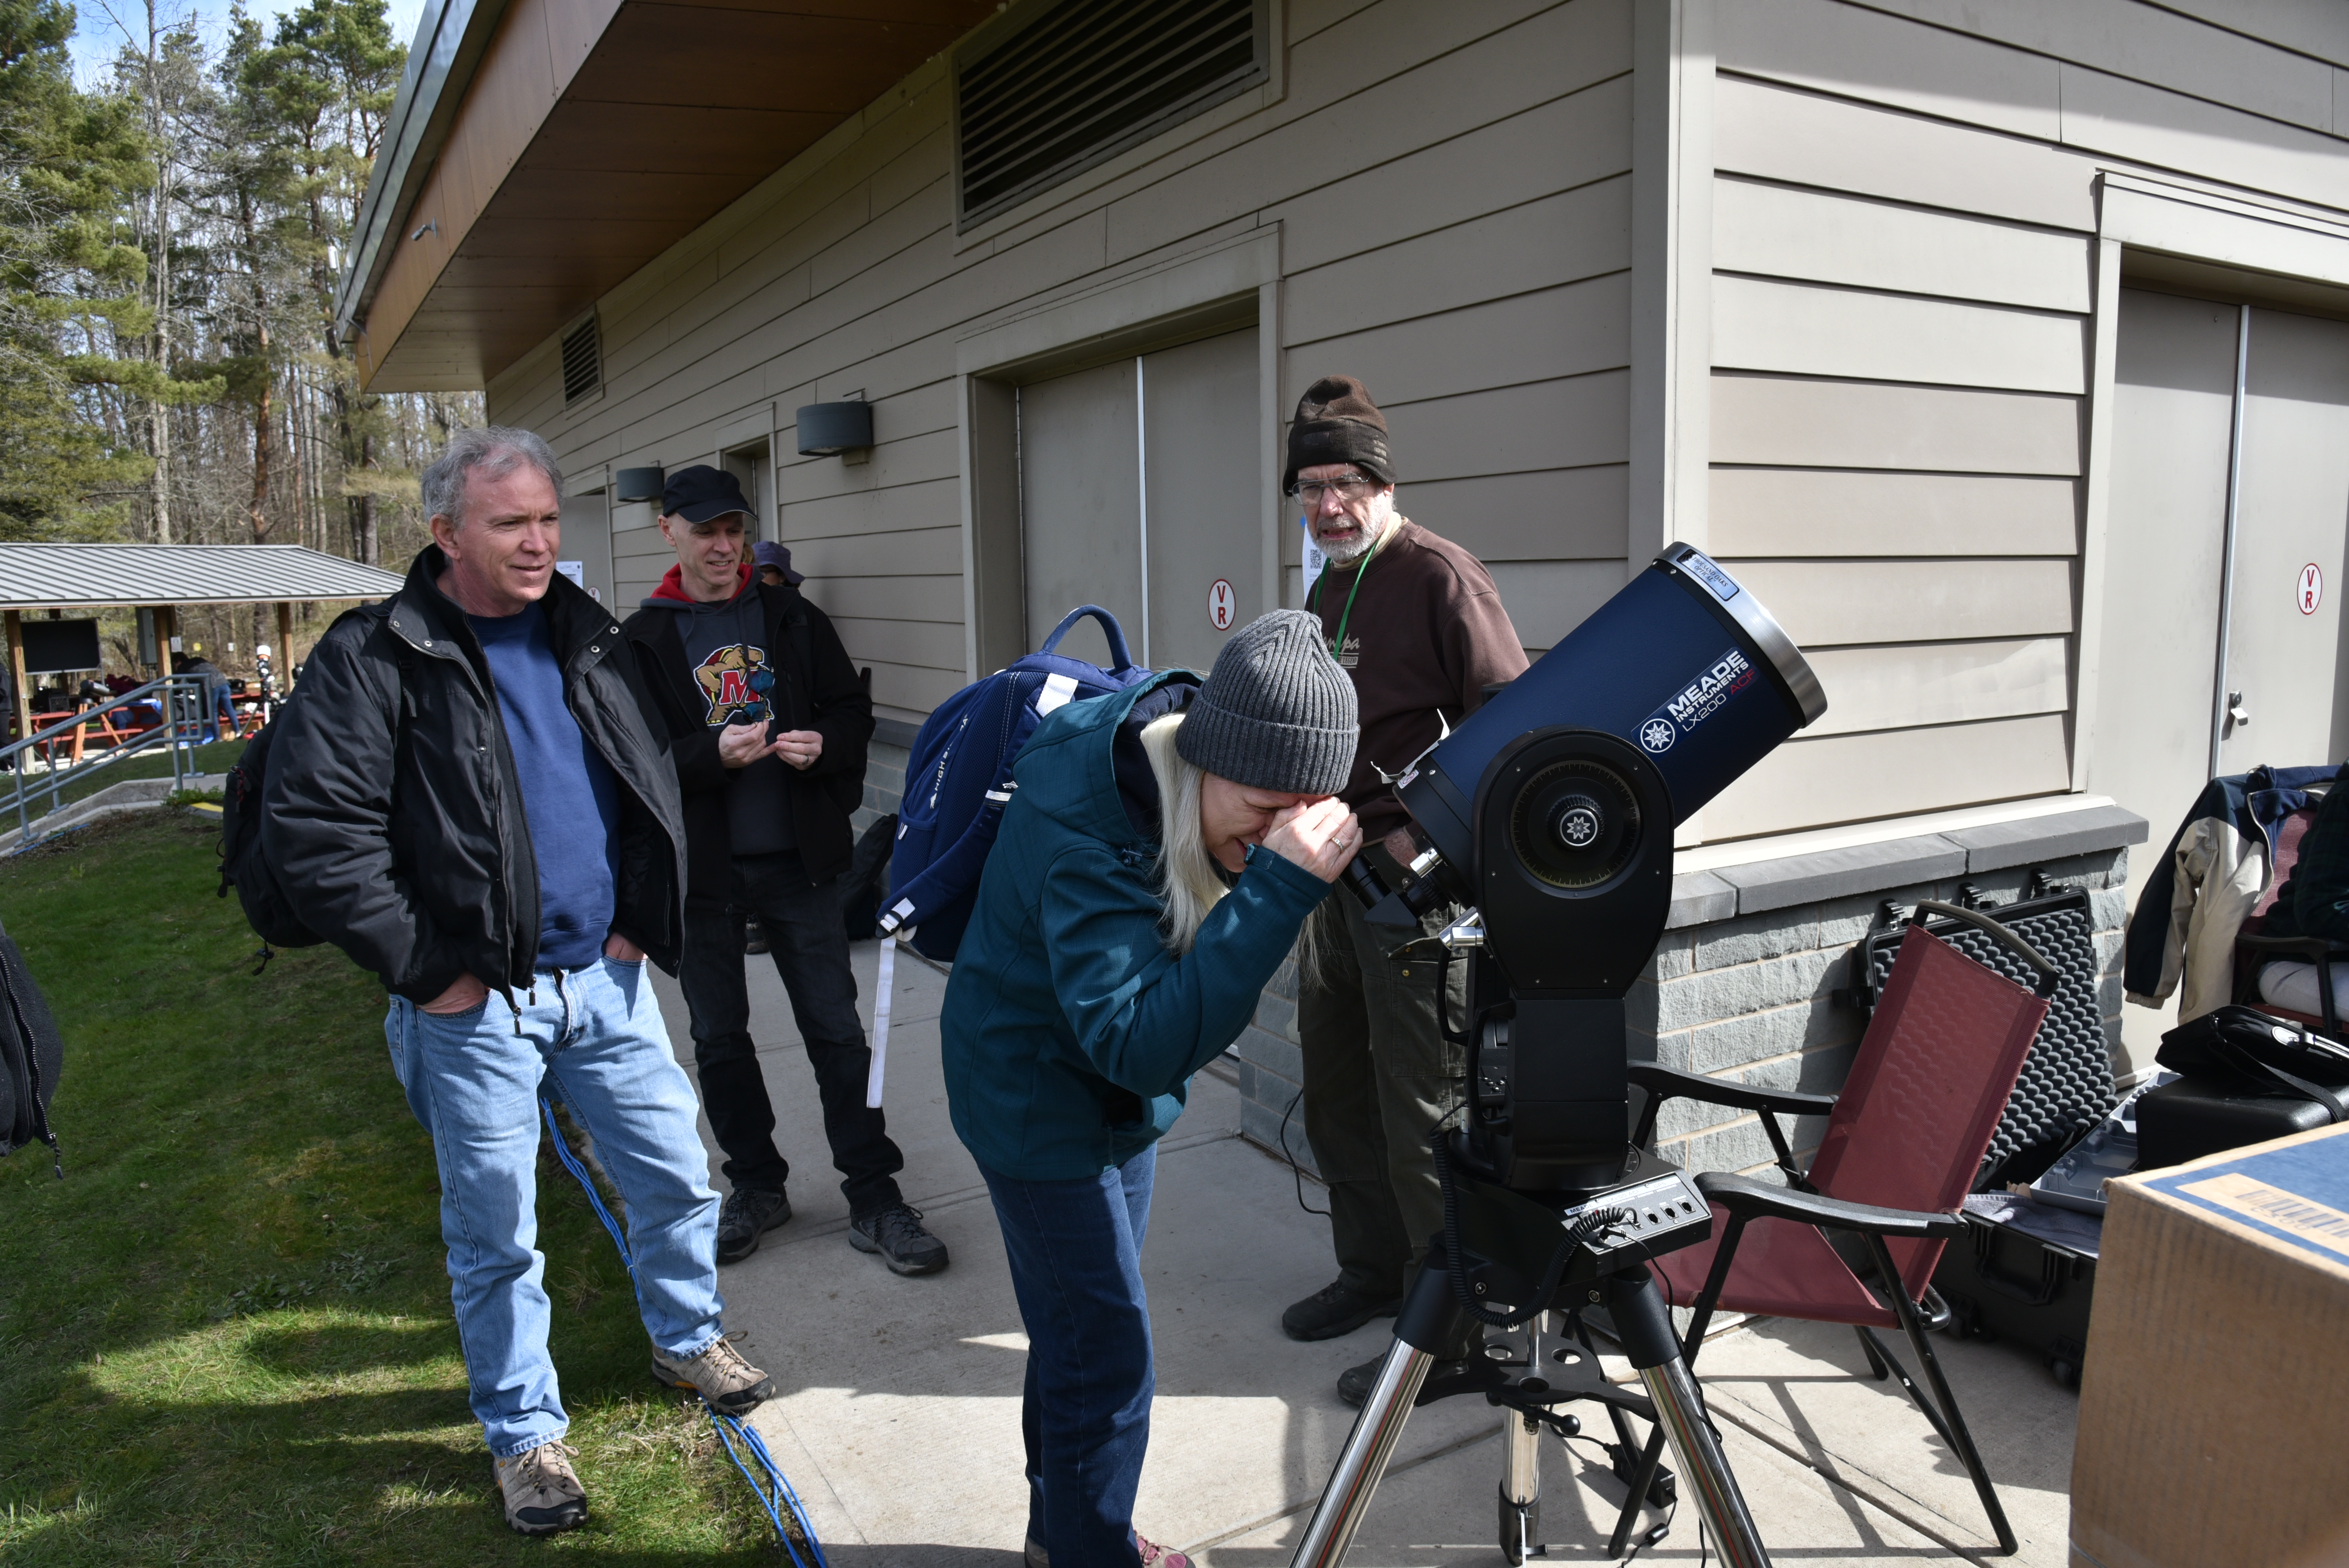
x=896 y=1233
x=541 y=1492
x=720 y=1375
x=754 y=936
x=1335 y=1309
x=1355 y=1382
x=748 y=1213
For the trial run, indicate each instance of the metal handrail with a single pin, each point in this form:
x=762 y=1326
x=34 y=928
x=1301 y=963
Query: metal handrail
x=173 y=733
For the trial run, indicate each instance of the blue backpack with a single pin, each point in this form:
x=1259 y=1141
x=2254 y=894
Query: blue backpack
x=959 y=779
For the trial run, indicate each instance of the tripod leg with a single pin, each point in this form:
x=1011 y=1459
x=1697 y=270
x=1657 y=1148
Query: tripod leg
x=1429 y=1321
x=1521 y=1466
x=1645 y=1328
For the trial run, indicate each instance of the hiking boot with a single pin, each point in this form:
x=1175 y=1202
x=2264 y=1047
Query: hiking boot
x=732 y=1386
x=748 y=1213
x=1336 y=1308
x=1157 y=1556
x=542 y=1495
x=754 y=937
x=896 y=1233
x=1354 y=1383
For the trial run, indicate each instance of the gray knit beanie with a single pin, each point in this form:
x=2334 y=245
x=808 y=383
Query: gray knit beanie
x=1277 y=712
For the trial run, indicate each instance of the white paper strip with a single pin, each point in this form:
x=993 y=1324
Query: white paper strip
x=883 y=983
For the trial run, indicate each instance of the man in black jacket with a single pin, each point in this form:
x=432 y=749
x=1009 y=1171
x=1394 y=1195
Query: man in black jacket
x=768 y=721
x=470 y=796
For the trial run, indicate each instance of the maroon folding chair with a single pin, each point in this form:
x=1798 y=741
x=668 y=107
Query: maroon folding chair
x=1904 y=1144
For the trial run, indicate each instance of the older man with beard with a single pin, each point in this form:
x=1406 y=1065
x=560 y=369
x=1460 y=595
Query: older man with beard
x=1416 y=622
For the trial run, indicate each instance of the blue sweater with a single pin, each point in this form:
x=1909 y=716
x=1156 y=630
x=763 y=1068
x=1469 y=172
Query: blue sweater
x=1070 y=1033
x=568 y=794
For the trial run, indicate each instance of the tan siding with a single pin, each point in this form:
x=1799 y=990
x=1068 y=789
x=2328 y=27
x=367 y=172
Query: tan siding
x=1556 y=240
x=1557 y=514
x=2106 y=114
x=1555 y=146
x=1805 y=234
x=2149 y=44
x=1888 y=773
x=1940 y=683
x=1772 y=133
x=1831 y=511
x=1822 y=603
x=1548 y=599
x=1567 y=330
x=1832 y=424
x=1516 y=429
x=1809 y=331
x=1845 y=49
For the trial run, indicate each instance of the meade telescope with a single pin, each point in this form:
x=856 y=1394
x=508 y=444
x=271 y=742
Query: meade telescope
x=1548 y=816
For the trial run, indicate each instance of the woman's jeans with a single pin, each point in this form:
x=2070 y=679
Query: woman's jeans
x=591 y=1038
x=1076 y=1266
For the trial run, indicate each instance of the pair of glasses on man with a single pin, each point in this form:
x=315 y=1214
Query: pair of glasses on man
x=760 y=709
x=1354 y=486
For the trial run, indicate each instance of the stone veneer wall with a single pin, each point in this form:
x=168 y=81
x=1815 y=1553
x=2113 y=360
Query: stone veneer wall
x=1742 y=985
x=885 y=779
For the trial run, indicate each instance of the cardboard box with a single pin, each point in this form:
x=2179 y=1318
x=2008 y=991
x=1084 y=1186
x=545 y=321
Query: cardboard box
x=2214 y=1409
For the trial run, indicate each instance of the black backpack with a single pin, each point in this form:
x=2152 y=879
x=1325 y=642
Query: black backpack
x=867 y=878
x=244 y=866
x=31 y=1052
x=2240 y=1051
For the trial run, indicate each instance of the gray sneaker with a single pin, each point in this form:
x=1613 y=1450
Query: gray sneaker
x=895 y=1232
x=731 y=1385
x=542 y=1494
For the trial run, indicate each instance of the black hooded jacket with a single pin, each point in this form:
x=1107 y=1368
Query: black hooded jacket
x=819 y=689
x=394 y=817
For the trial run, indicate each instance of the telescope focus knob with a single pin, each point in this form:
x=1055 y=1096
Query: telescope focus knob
x=1576 y=822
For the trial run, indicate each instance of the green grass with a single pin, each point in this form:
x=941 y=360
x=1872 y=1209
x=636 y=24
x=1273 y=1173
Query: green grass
x=225 y=1337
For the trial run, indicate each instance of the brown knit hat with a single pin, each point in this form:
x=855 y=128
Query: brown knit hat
x=1338 y=423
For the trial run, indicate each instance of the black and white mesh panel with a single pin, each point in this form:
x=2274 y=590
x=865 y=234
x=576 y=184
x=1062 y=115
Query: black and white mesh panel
x=2067 y=1082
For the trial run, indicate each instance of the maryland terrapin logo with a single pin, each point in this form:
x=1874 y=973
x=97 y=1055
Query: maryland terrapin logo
x=734 y=680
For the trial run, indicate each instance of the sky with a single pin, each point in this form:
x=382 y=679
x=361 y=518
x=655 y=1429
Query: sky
x=97 y=37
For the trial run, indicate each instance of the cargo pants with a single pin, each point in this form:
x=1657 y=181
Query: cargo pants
x=1379 y=1075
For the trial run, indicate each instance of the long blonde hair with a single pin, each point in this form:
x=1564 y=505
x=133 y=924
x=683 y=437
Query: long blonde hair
x=1190 y=883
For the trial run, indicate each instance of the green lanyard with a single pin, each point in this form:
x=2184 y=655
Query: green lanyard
x=1338 y=643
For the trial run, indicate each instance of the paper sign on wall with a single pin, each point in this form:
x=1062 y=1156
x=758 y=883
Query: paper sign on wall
x=1314 y=560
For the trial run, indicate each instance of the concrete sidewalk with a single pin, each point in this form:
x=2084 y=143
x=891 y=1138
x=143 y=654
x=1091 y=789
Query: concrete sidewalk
x=899 y=1420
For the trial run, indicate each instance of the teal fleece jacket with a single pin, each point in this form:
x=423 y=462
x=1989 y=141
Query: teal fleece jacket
x=1071 y=1032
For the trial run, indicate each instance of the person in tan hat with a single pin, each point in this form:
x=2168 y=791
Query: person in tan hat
x=1415 y=621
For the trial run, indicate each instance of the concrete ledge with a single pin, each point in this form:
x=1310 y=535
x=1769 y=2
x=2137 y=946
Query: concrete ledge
x=1821 y=874
x=1998 y=845
x=1700 y=898
x=129 y=795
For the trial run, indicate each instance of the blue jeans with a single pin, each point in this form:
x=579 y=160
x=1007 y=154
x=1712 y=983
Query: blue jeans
x=1076 y=1267
x=594 y=1038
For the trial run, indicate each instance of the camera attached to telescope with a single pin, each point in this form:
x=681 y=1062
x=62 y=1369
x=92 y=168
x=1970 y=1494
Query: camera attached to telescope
x=1547 y=819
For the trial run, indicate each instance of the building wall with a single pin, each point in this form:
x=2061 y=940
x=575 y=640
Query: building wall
x=1450 y=187
x=1902 y=226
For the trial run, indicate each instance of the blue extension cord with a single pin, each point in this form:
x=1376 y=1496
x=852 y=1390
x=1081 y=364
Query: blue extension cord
x=777 y=1494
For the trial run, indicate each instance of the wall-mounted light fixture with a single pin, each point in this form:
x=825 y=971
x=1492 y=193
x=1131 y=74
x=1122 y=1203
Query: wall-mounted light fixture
x=638 y=484
x=835 y=429
x=431 y=228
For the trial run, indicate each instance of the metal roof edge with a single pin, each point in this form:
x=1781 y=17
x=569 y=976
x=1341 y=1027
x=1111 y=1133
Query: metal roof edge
x=451 y=38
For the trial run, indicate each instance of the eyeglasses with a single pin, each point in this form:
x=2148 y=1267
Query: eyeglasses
x=1354 y=486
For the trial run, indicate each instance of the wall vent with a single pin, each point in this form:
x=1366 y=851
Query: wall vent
x=1074 y=83
x=583 y=360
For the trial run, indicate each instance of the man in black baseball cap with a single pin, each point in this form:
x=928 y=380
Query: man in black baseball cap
x=768 y=723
